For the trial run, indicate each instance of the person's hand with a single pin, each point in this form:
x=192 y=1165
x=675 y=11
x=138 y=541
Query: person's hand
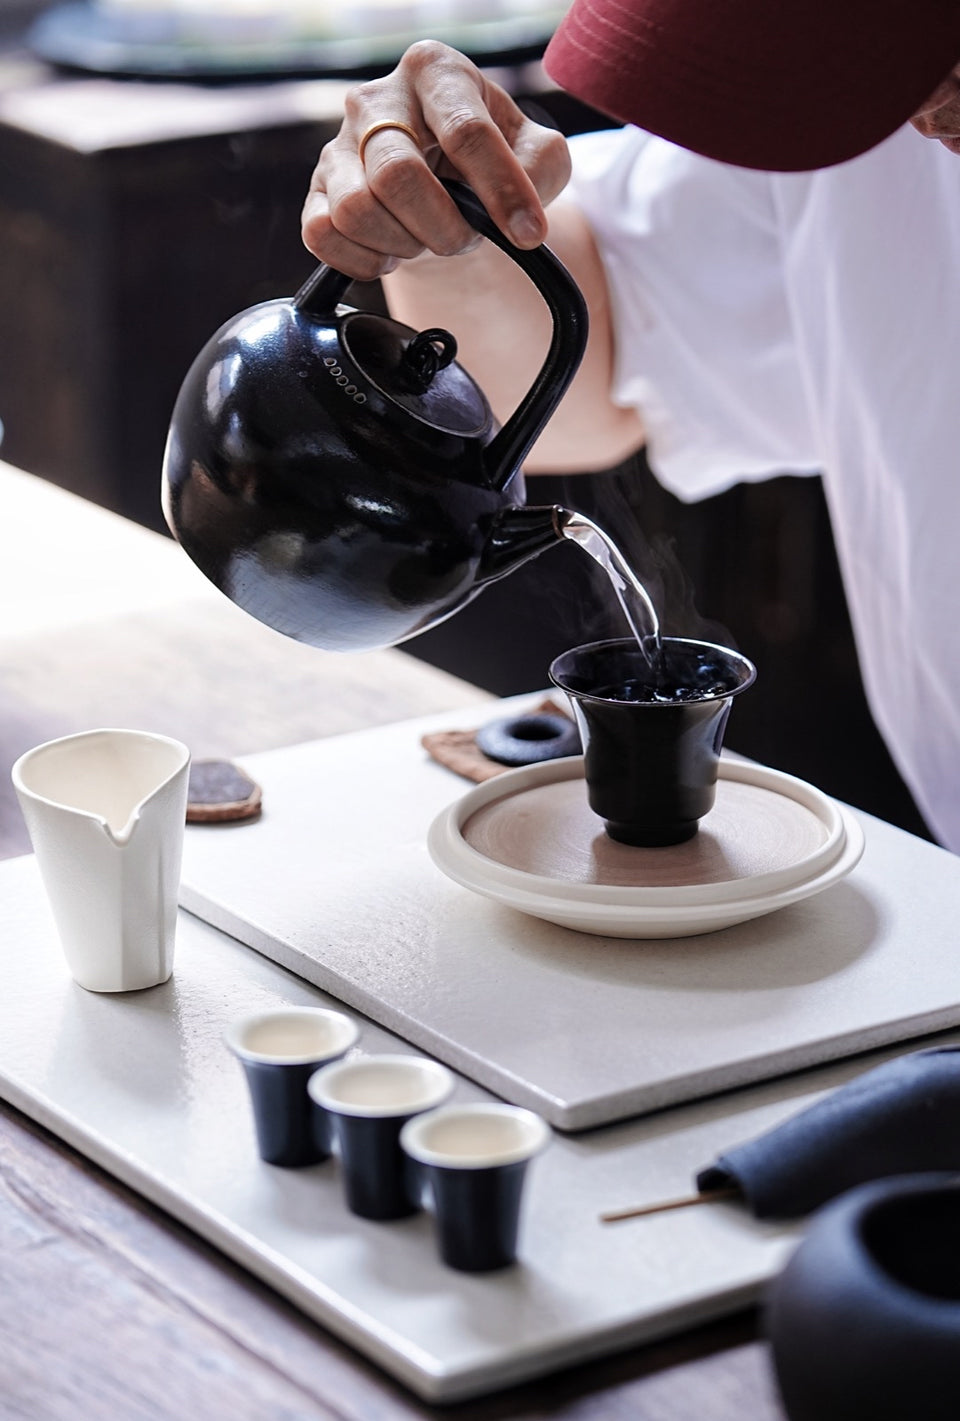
x=939 y=117
x=374 y=197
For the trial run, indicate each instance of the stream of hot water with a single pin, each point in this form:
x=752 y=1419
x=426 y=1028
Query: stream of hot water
x=633 y=597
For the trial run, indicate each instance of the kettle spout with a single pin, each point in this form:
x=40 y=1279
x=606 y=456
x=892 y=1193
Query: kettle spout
x=519 y=534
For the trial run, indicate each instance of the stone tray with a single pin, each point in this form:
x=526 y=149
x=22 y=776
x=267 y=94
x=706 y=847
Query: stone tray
x=142 y=1084
x=335 y=883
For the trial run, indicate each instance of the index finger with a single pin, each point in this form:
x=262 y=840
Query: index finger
x=514 y=165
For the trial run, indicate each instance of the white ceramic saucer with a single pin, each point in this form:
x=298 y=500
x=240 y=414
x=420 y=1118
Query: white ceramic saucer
x=529 y=839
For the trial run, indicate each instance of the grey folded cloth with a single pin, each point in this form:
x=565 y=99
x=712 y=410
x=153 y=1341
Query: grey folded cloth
x=901 y=1118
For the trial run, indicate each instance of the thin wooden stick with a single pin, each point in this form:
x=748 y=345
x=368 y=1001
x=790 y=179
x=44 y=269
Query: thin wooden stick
x=711 y=1197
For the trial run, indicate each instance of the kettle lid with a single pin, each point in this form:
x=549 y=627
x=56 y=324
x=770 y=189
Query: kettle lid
x=417 y=371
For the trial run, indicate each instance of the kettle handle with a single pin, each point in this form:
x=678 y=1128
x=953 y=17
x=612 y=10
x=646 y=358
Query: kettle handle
x=326 y=287
x=510 y=446
x=322 y=291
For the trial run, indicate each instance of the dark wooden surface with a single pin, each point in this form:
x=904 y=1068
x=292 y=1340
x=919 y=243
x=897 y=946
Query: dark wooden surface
x=134 y=220
x=108 y=1309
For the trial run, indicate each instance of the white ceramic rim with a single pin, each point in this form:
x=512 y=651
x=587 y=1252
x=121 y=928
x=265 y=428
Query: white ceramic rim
x=466 y=865
x=233 y=1036
x=412 y=1143
x=438 y=1080
x=22 y=761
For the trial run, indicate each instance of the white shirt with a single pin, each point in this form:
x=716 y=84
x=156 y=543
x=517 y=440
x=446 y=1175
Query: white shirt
x=774 y=323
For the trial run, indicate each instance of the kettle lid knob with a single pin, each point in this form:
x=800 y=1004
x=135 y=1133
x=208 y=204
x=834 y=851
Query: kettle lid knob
x=427 y=354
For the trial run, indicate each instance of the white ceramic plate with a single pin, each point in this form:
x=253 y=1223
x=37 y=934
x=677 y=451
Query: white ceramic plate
x=529 y=839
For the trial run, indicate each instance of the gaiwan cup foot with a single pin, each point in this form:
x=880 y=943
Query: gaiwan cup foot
x=650 y=838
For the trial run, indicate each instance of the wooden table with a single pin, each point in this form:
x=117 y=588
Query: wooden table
x=109 y=1309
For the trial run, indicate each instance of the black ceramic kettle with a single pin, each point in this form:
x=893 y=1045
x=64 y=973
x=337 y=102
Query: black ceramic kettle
x=342 y=478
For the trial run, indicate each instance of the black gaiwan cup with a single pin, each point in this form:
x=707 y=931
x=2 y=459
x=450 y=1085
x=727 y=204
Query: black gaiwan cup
x=651 y=741
x=865 y=1319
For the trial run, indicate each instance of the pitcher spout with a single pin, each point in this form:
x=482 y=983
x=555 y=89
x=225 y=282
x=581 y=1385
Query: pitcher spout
x=518 y=535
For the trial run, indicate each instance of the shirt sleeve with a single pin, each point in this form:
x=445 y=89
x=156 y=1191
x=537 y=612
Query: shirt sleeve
x=704 y=345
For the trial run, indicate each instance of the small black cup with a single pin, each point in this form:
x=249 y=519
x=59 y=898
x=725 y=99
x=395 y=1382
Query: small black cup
x=473 y=1159
x=651 y=745
x=369 y=1100
x=279 y=1051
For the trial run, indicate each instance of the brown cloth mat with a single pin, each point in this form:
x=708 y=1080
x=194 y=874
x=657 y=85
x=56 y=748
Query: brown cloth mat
x=457 y=749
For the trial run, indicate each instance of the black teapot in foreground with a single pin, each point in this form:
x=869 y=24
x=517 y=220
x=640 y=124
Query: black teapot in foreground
x=342 y=478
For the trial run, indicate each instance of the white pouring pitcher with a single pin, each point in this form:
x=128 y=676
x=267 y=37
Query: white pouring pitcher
x=105 y=811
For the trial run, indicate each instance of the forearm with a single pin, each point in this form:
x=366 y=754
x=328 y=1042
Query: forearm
x=503 y=328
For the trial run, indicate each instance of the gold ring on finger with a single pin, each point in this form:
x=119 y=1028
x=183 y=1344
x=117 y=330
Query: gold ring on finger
x=379 y=127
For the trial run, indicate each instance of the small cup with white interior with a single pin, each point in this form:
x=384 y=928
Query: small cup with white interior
x=473 y=1160
x=369 y=1100
x=279 y=1050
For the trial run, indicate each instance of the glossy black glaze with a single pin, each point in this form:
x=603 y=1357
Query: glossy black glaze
x=291 y=1129
x=477 y=1214
x=342 y=478
x=651 y=767
x=864 y=1321
x=527 y=739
